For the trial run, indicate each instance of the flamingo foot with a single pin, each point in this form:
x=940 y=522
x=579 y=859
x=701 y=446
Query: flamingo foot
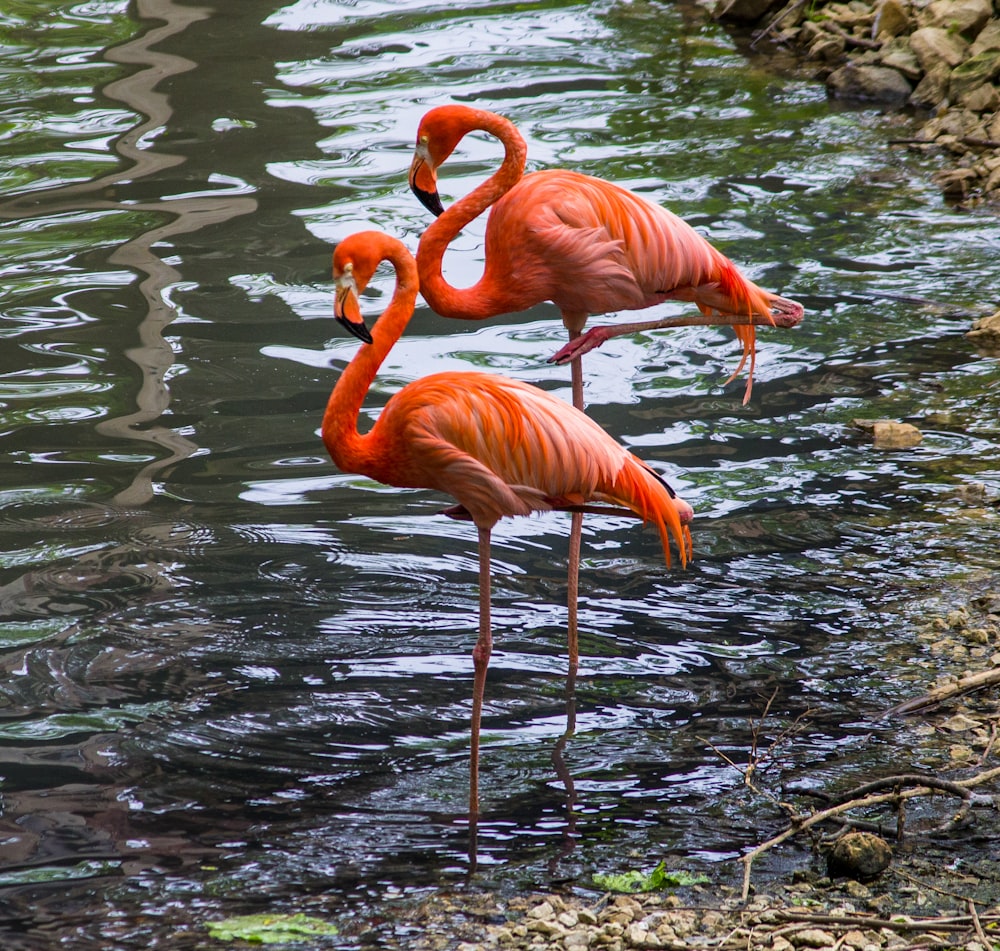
x=786 y=312
x=584 y=343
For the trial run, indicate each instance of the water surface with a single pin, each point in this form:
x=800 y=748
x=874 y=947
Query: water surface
x=238 y=680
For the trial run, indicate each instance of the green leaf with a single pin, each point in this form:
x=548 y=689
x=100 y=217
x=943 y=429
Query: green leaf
x=270 y=929
x=636 y=881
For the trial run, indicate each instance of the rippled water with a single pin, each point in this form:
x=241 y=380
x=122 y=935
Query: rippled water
x=236 y=679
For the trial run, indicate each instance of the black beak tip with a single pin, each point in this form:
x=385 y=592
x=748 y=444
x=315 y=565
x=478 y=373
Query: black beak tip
x=357 y=330
x=430 y=200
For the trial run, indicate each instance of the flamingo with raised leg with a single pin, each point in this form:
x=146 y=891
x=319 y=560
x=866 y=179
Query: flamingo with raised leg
x=585 y=244
x=499 y=447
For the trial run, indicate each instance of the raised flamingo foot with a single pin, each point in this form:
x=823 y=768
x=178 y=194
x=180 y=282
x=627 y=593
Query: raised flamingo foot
x=582 y=344
x=787 y=312
x=684 y=511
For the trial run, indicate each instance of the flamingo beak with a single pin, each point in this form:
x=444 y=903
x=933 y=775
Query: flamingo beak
x=346 y=308
x=423 y=180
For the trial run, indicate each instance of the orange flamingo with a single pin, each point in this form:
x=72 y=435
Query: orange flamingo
x=498 y=446
x=583 y=243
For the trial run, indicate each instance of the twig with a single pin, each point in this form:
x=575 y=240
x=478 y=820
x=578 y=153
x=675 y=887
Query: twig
x=952 y=923
x=977 y=924
x=990 y=744
x=920 y=883
x=985 y=678
x=781 y=16
x=984 y=143
x=904 y=779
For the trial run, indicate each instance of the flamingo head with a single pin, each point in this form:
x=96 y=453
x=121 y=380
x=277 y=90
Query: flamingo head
x=440 y=131
x=353 y=267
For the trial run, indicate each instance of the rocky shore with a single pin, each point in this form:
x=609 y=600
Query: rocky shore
x=938 y=59
x=941 y=888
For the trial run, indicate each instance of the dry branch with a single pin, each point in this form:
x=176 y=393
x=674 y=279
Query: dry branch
x=928 y=786
x=986 y=678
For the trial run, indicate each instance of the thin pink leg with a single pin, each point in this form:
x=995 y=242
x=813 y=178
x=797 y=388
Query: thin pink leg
x=575 y=536
x=596 y=336
x=572 y=590
x=481 y=659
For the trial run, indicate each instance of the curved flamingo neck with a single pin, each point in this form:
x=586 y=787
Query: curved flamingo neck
x=469 y=303
x=347 y=447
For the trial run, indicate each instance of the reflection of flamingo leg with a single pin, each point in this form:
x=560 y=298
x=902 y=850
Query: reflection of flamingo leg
x=562 y=771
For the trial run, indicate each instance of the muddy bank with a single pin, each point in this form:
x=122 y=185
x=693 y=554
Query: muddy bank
x=939 y=60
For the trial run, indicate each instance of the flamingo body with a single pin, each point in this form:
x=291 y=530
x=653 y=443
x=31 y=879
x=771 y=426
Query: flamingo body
x=501 y=448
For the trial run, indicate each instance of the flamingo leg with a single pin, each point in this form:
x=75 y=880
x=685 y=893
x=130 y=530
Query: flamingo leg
x=575 y=532
x=593 y=338
x=481 y=659
x=572 y=591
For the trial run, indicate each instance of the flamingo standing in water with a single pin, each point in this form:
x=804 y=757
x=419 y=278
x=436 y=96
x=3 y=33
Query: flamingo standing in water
x=498 y=446
x=586 y=245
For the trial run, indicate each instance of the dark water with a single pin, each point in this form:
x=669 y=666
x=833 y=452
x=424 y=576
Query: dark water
x=237 y=680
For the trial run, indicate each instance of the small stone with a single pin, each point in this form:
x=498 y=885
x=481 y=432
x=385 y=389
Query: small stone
x=557 y=903
x=870 y=83
x=988 y=39
x=812 y=938
x=586 y=916
x=960 y=753
x=858 y=855
x=960 y=16
x=855 y=940
x=858 y=891
x=932 y=90
x=984 y=98
x=891 y=19
x=986 y=330
x=544 y=910
x=973 y=73
x=637 y=934
x=550 y=929
x=891 y=435
x=933 y=45
x=959 y=723
x=827 y=48
x=902 y=59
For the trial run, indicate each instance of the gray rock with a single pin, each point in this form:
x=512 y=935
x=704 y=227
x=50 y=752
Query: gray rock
x=973 y=73
x=891 y=19
x=932 y=90
x=960 y=16
x=988 y=39
x=897 y=55
x=985 y=98
x=871 y=83
x=932 y=46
